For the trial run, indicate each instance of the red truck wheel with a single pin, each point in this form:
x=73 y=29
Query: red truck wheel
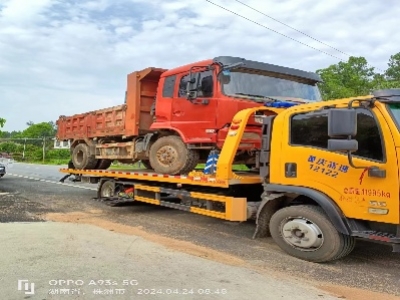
x=103 y=164
x=169 y=155
x=146 y=164
x=82 y=159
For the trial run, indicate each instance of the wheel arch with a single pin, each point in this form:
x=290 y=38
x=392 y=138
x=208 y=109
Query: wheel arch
x=163 y=130
x=309 y=196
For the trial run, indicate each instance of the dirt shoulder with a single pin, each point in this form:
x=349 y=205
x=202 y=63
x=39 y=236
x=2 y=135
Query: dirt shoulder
x=92 y=218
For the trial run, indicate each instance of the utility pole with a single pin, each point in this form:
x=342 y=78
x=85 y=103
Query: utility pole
x=23 y=152
x=44 y=147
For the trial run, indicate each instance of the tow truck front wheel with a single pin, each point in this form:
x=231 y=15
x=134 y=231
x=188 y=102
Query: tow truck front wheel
x=305 y=232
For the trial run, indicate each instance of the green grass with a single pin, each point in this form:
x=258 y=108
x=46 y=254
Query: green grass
x=234 y=167
x=118 y=166
x=198 y=167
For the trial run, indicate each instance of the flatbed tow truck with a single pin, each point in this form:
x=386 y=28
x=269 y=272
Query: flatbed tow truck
x=327 y=174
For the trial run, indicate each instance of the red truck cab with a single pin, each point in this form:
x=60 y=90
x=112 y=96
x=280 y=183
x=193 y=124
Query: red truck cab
x=199 y=100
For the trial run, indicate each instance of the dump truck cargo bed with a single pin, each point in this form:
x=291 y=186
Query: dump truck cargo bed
x=129 y=119
x=100 y=123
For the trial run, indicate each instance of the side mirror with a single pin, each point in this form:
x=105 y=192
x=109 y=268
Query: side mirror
x=342 y=123
x=342 y=145
x=193 y=86
x=225 y=76
x=207 y=86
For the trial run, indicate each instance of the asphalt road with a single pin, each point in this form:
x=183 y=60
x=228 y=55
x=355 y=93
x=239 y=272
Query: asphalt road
x=370 y=268
x=46 y=173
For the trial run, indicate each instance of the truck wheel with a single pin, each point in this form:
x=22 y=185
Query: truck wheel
x=81 y=157
x=103 y=164
x=146 y=164
x=305 y=232
x=169 y=155
x=107 y=189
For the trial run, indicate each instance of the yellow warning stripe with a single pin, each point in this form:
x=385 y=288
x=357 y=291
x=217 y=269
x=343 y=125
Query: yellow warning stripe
x=147 y=200
x=209 y=213
x=210 y=197
x=155 y=189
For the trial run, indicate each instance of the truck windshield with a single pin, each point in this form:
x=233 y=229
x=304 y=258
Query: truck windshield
x=259 y=86
x=394 y=109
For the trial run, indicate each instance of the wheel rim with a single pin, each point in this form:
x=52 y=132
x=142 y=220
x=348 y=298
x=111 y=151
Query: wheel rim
x=302 y=234
x=167 y=155
x=79 y=157
x=107 y=192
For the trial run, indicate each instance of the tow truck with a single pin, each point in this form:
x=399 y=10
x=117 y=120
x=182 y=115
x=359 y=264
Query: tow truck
x=327 y=174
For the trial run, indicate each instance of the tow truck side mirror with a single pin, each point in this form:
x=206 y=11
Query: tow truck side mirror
x=193 y=86
x=342 y=126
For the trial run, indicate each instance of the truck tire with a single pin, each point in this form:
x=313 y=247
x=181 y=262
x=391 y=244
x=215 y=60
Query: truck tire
x=169 y=155
x=103 y=164
x=146 y=164
x=82 y=159
x=107 y=189
x=305 y=232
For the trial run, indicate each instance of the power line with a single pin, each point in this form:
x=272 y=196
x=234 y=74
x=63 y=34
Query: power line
x=226 y=9
x=291 y=27
x=274 y=30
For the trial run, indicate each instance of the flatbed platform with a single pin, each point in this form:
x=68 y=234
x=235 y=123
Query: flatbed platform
x=193 y=178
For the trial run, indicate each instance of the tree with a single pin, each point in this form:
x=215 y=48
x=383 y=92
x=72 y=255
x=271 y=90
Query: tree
x=347 y=79
x=43 y=129
x=2 y=122
x=393 y=71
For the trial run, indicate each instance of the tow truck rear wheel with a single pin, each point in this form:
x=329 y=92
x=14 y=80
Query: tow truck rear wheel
x=169 y=155
x=107 y=189
x=305 y=232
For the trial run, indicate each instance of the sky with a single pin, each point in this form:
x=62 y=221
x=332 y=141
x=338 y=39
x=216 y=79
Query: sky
x=62 y=57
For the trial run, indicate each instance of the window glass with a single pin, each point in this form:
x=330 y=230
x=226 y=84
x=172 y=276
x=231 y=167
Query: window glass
x=205 y=88
x=311 y=129
x=169 y=84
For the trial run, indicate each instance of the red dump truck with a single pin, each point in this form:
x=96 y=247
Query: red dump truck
x=172 y=119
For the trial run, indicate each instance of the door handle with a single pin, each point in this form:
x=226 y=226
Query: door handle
x=177 y=113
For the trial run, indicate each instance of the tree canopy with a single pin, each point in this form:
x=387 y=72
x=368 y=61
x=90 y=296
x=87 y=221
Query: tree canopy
x=43 y=129
x=357 y=78
x=39 y=130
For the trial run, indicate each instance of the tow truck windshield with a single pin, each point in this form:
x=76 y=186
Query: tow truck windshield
x=264 y=87
x=394 y=109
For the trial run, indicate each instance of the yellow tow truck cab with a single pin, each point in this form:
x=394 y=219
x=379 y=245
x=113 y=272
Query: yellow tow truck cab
x=327 y=174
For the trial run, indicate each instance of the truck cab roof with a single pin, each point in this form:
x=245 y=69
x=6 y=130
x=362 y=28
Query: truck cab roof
x=249 y=64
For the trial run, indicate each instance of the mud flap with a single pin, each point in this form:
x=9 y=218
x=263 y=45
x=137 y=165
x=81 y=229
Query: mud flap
x=396 y=248
x=264 y=214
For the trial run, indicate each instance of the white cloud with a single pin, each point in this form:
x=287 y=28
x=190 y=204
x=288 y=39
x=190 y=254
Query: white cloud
x=60 y=57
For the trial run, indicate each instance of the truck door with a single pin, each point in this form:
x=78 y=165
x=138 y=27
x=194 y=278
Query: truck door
x=196 y=119
x=358 y=195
